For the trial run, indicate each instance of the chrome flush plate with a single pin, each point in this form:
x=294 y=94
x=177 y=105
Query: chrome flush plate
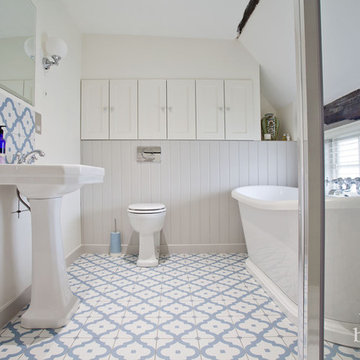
x=149 y=154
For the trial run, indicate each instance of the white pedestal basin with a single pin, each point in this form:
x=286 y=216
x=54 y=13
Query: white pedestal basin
x=52 y=302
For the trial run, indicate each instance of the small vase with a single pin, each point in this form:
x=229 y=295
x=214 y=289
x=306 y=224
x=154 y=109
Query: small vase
x=270 y=125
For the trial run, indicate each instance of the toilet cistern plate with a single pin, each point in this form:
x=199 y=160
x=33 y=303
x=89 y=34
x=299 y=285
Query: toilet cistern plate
x=52 y=302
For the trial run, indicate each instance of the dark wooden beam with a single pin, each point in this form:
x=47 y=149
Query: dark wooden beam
x=344 y=108
x=247 y=13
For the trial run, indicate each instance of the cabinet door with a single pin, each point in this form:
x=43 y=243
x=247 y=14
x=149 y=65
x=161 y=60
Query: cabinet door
x=95 y=109
x=123 y=109
x=152 y=109
x=181 y=109
x=210 y=109
x=239 y=110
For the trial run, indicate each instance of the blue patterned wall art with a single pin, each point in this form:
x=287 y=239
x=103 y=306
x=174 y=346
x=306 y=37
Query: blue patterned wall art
x=20 y=126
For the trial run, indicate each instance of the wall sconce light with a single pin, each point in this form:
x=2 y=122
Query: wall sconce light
x=29 y=47
x=56 y=49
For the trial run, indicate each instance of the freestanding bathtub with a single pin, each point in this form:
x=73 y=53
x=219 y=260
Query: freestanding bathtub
x=269 y=216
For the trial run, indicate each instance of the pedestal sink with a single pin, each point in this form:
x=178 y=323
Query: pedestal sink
x=52 y=302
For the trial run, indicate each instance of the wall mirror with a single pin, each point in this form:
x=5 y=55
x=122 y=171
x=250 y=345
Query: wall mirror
x=17 y=48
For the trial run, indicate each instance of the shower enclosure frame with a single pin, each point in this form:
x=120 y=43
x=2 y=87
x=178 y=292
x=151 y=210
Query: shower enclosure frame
x=311 y=179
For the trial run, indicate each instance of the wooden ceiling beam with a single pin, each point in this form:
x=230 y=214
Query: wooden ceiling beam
x=247 y=13
x=345 y=108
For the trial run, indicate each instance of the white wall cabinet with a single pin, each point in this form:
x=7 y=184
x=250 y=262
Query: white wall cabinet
x=95 y=109
x=170 y=109
x=152 y=109
x=210 y=109
x=123 y=109
x=239 y=110
x=181 y=109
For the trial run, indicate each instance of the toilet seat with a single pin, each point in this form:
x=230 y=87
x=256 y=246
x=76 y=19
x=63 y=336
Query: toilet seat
x=146 y=208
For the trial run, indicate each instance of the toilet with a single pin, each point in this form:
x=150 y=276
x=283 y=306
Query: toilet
x=148 y=220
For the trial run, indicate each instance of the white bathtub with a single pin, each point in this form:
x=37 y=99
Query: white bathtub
x=269 y=216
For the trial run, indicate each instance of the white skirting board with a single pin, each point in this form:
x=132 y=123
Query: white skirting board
x=171 y=249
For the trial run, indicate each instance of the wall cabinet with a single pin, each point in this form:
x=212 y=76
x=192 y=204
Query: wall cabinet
x=181 y=114
x=123 y=109
x=95 y=109
x=240 y=123
x=109 y=109
x=152 y=109
x=210 y=109
x=170 y=109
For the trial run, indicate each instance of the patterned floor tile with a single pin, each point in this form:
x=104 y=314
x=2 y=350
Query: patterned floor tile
x=46 y=349
x=141 y=349
x=191 y=306
x=90 y=349
x=267 y=348
x=216 y=328
x=224 y=349
x=184 y=328
x=12 y=348
x=333 y=351
x=177 y=349
x=254 y=326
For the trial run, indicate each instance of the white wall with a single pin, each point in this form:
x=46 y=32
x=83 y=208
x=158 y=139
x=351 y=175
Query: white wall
x=116 y=56
x=194 y=180
x=57 y=98
x=288 y=120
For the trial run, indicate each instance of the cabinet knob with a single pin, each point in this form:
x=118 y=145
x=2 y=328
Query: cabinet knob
x=221 y=108
x=105 y=108
x=112 y=108
x=227 y=108
x=170 y=108
x=162 y=108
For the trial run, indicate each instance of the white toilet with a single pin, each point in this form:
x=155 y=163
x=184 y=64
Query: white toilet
x=148 y=220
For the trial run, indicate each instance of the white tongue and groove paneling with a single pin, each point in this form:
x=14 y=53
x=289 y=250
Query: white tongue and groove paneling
x=194 y=180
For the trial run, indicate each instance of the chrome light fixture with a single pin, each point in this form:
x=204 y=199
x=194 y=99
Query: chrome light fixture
x=56 y=49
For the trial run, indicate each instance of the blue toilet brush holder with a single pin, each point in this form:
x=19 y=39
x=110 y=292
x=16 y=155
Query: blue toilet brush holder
x=115 y=242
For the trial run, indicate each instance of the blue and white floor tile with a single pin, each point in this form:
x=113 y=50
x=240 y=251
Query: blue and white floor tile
x=198 y=307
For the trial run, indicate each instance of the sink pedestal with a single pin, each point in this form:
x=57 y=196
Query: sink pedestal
x=52 y=302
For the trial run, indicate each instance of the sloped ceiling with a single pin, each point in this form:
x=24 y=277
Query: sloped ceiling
x=270 y=37
x=212 y=19
x=341 y=48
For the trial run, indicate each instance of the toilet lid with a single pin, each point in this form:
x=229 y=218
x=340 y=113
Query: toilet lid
x=146 y=208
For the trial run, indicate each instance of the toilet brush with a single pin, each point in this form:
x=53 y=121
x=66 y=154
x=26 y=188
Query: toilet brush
x=115 y=242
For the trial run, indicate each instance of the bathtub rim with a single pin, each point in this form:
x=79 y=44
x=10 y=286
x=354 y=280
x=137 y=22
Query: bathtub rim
x=264 y=204
x=331 y=202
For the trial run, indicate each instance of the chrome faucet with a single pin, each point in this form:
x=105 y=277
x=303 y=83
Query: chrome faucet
x=30 y=157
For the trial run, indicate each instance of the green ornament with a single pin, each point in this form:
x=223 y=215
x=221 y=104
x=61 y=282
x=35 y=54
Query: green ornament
x=270 y=125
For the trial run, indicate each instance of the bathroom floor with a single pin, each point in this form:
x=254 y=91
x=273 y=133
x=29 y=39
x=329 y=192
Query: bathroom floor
x=204 y=306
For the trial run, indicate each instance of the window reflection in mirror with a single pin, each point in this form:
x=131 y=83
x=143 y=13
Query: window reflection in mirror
x=17 y=48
